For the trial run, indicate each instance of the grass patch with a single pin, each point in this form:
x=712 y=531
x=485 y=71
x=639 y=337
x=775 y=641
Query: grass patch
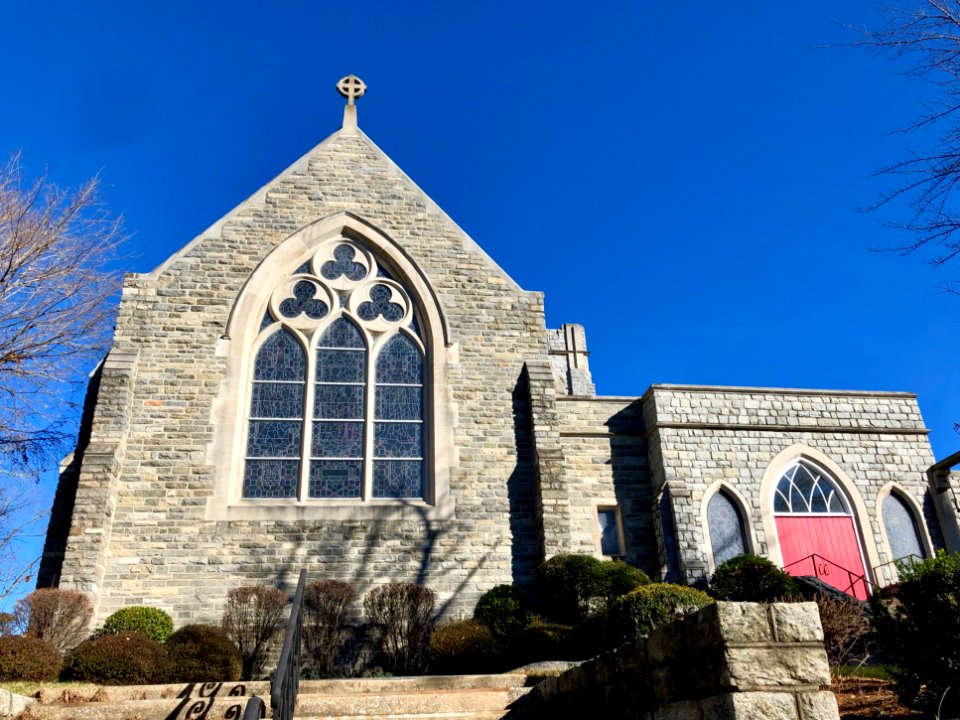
x=877 y=672
x=31 y=688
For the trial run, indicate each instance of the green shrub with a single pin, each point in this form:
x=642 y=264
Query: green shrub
x=252 y=618
x=465 y=648
x=541 y=641
x=122 y=659
x=152 y=622
x=504 y=610
x=571 y=587
x=650 y=606
x=751 y=578
x=401 y=615
x=326 y=609
x=28 y=658
x=61 y=617
x=202 y=653
x=918 y=630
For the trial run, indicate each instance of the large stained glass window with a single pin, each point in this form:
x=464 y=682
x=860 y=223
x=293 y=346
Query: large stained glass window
x=727 y=538
x=901 y=526
x=337 y=393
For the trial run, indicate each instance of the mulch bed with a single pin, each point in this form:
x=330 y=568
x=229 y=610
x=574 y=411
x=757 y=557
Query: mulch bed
x=870 y=699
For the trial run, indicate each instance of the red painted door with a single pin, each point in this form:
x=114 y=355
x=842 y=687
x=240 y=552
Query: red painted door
x=833 y=539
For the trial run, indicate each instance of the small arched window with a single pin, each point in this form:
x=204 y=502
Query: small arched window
x=805 y=489
x=344 y=420
x=727 y=536
x=901 y=526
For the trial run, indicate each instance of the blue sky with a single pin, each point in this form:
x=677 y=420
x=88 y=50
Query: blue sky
x=683 y=180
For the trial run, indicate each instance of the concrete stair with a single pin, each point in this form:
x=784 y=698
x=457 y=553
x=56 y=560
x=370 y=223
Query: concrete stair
x=454 y=697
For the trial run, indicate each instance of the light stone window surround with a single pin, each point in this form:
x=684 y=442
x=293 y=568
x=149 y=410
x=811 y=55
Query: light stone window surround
x=745 y=518
x=861 y=517
x=239 y=345
x=917 y=512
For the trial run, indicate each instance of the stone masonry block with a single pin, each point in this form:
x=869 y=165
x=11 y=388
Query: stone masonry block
x=797 y=622
x=818 y=706
x=749 y=706
x=755 y=667
x=743 y=622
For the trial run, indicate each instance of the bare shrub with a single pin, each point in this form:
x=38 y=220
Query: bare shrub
x=60 y=617
x=402 y=615
x=326 y=606
x=846 y=631
x=252 y=618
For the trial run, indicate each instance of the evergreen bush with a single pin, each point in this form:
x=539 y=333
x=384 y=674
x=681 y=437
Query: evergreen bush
x=504 y=610
x=465 y=648
x=541 y=641
x=649 y=606
x=751 y=578
x=918 y=629
x=571 y=587
x=152 y=622
x=326 y=607
x=401 y=614
x=23 y=657
x=202 y=653
x=122 y=659
x=252 y=619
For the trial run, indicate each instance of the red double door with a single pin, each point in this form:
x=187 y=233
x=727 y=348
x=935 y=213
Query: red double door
x=832 y=542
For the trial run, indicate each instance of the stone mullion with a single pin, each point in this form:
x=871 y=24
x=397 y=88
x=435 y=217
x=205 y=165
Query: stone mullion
x=306 y=440
x=369 y=400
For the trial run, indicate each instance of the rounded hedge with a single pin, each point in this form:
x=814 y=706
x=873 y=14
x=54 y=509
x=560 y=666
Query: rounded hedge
x=465 y=648
x=751 y=578
x=23 y=657
x=541 y=641
x=621 y=578
x=152 y=622
x=649 y=606
x=505 y=610
x=202 y=653
x=570 y=587
x=122 y=659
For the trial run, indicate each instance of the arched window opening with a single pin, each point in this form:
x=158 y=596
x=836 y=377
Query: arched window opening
x=345 y=420
x=903 y=534
x=727 y=536
x=804 y=488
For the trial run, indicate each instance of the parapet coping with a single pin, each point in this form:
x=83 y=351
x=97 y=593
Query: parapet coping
x=739 y=389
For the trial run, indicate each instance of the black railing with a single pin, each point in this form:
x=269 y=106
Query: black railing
x=286 y=679
x=906 y=561
x=833 y=574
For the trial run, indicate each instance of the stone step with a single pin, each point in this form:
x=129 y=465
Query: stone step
x=485 y=715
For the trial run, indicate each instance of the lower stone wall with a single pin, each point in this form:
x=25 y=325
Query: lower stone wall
x=735 y=661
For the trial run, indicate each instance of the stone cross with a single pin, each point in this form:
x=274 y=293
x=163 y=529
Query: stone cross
x=351 y=87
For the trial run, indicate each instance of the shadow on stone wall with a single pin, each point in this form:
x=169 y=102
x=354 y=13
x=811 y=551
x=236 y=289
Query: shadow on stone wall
x=525 y=548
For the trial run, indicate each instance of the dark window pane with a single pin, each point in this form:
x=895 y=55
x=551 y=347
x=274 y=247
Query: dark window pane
x=335 y=478
x=726 y=529
x=343 y=265
x=303 y=269
x=339 y=402
x=901 y=528
x=338 y=439
x=398 y=440
x=274 y=438
x=304 y=302
x=271 y=478
x=340 y=365
x=380 y=304
x=398 y=478
x=280 y=358
x=277 y=400
x=399 y=362
x=341 y=334
x=609 y=533
x=399 y=403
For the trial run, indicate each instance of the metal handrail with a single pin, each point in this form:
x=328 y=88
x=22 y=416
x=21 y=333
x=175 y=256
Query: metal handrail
x=911 y=560
x=852 y=577
x=286 y=680
x=254 y=709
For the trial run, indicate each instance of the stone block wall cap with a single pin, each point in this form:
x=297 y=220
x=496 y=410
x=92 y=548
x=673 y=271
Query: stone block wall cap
x=746 y=389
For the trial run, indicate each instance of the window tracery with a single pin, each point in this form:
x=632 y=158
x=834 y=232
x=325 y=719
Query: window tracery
x=337 y=393
x=804 y=488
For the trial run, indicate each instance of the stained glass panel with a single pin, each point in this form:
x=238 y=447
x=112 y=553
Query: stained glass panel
x=339 y=402
x=271 y=478
x=398 y=440
x=343 y=264
x=901 y=527
x=304 y=302
x=400 y=362
x=304 y=269
x=274 y=438
x=398 y=403
x=335 y=478
x=726 y=528
x=267 y=321
x=280 y=358
x=380 y=304
x=341 y=366
x=398 y=478
x=341 y=334
x=277 y=400
x=338 y=439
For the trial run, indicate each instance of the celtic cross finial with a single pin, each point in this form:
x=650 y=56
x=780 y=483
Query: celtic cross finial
x=351 y=87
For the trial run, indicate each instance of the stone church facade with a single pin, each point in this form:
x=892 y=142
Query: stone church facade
x=336 y=377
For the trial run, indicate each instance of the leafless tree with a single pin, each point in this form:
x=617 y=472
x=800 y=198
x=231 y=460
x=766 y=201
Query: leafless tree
x=925 y=36
x=56 y=291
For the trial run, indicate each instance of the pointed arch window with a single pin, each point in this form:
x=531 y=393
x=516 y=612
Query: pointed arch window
x=805 y=489
x=727 y=536
x=337 y=392
x=900 y=523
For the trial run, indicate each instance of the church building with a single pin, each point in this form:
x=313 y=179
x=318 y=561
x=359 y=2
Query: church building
x=334 y=376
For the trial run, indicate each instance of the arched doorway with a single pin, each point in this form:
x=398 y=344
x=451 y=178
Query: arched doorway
x=817 y=530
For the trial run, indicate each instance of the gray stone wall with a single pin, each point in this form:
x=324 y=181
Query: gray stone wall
x=159 y=550
x=730 y=660
x=709 y=434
